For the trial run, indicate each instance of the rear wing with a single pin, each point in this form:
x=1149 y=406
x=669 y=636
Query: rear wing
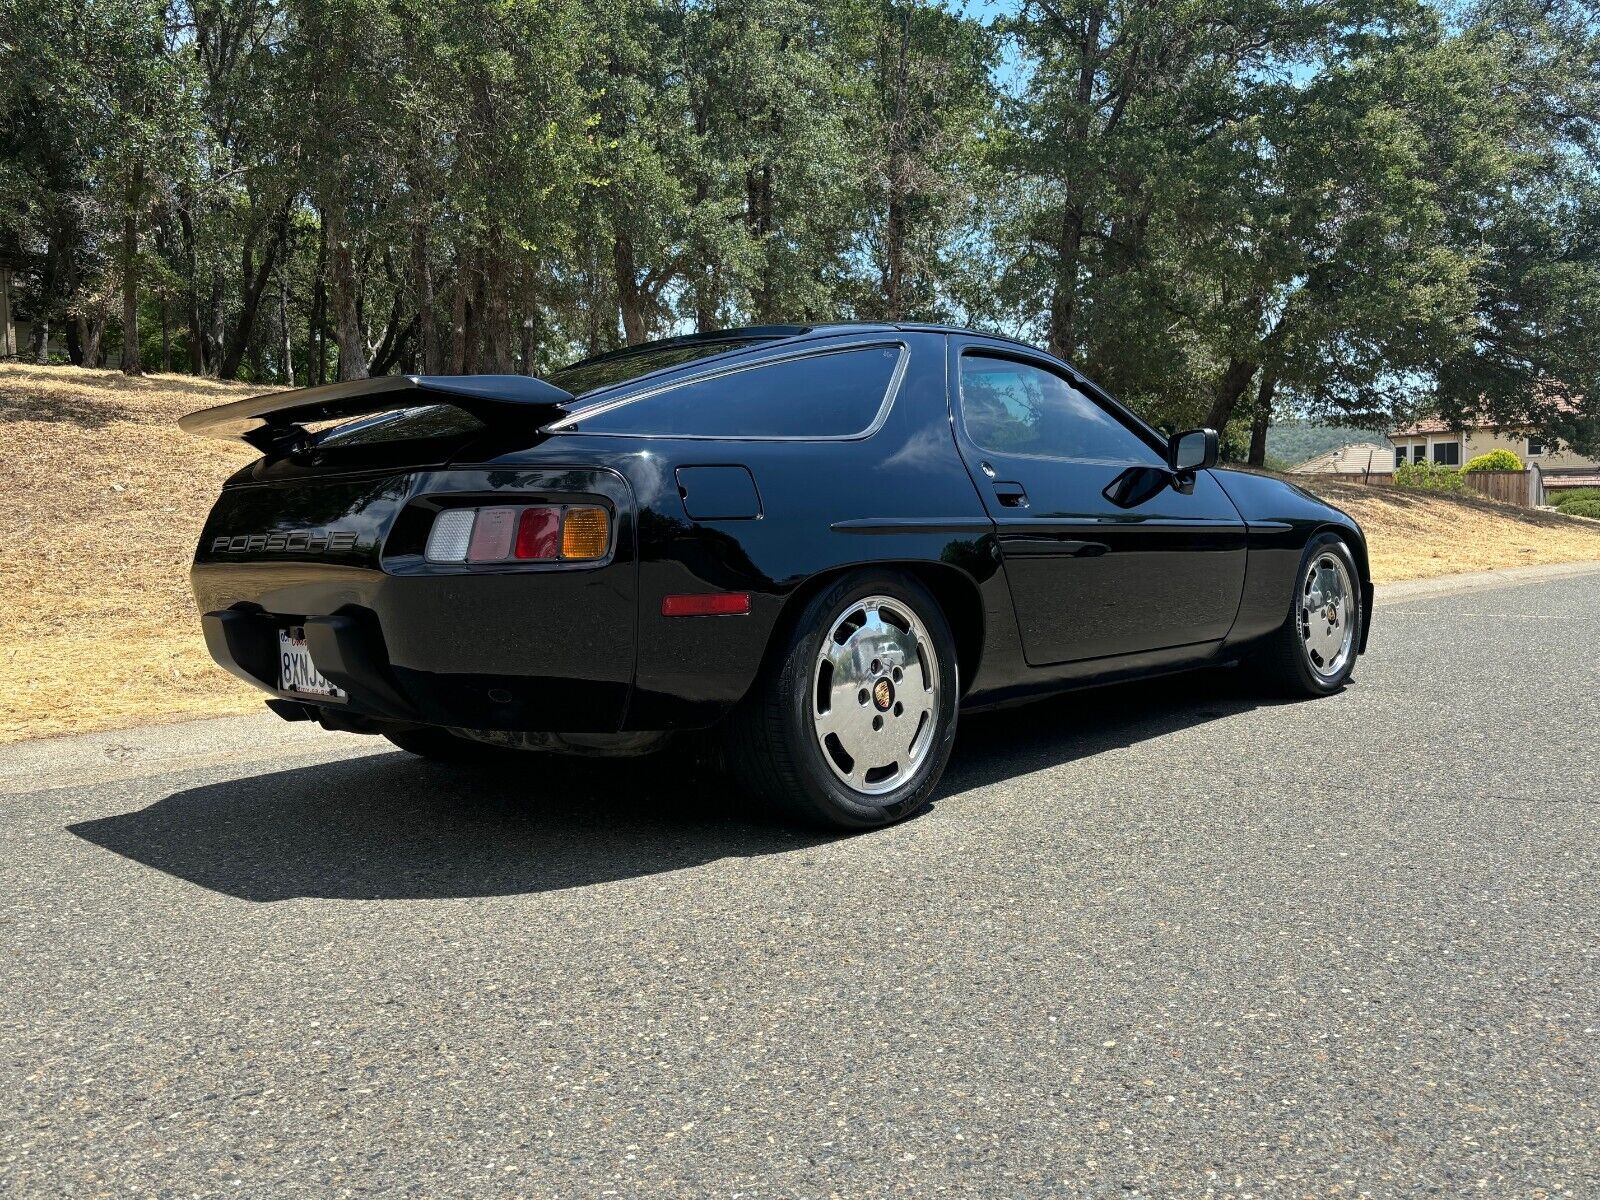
x=277 y=421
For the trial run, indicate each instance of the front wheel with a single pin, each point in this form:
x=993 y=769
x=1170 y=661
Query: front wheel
x=852 y=722
x=1314 y=651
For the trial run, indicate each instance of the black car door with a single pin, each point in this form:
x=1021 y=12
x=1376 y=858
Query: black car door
x=1159 y=567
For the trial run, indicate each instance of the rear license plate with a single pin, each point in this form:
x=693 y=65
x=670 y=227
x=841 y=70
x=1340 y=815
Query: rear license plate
x=296 y=672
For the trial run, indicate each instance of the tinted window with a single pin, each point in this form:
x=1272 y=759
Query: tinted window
x=611 y=369
x=822 y=395
x=1010 y=407
x=408 y=424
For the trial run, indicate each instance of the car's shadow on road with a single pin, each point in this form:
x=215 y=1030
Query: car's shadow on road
x=390 y=826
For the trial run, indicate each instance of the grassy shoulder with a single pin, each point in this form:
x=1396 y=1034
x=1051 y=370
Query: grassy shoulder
x=1420 y=535
x=106 y=498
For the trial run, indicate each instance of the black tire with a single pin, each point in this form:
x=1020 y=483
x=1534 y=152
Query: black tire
x=773 y=747
x=440 y=745
x=1283 y=663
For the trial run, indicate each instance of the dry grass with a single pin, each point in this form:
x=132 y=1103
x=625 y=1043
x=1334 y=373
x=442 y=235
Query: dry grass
x=1418 y=535
x=105 y=498
x=104 y=503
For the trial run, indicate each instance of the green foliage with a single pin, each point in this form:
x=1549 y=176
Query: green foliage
x=1584 y=495
x=1226 y=212
x=1494 y=460
x=1429 y=477
x=1582 y=508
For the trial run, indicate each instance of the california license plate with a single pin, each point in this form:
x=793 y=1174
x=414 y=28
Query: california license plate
x=296 y=672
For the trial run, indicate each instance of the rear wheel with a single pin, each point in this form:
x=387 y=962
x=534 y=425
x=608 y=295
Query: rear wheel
x=1314 y=652
x=851 y=725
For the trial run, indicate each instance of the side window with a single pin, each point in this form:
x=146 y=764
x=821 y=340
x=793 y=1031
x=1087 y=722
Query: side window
x=1013 y=408
x=821 y=395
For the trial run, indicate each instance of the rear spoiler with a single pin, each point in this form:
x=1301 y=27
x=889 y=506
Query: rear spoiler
x=277 y=421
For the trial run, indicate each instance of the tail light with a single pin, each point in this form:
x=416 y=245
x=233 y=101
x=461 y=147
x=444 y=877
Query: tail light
x=535 y=533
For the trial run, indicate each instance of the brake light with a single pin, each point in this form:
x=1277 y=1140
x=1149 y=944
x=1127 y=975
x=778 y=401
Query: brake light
x=535 y=533
x=539 y=533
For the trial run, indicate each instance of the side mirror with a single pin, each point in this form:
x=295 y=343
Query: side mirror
x=1192 y=450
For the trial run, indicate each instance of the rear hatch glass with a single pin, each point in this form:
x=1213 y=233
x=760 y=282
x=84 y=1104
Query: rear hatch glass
x=623 y=366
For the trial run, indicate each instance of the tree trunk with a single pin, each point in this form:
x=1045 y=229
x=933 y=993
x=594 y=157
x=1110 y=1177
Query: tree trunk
x=422 y=272
x=39 y=340
x=316 y=329
x=464 y=316
x=525 y=350
x=1261 y=419
x=8 y=329
x=130 y=271
x=759 y=219
x=895 y=218
x=626 y=273
x=286 y=338
x=342 y=297
x=458 y=325
x=166 y=334
x=252 y=285
x=496 y=309
x=197 y=341
x=1230 y=387
x=90 y=333
x=1069 y=237
x=215 y=329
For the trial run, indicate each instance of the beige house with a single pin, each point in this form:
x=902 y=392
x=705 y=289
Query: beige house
x=1434 y=441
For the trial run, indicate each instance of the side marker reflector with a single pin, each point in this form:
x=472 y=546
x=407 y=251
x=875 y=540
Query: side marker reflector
x=708 y=604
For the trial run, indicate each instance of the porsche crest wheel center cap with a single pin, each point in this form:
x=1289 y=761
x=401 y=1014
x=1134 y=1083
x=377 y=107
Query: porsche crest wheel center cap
x=883 y=695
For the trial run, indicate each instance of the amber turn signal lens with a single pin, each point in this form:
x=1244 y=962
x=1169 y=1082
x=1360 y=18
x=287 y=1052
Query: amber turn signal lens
x=585 y=533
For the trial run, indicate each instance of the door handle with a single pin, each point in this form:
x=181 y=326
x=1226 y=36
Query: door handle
x=1010 y=495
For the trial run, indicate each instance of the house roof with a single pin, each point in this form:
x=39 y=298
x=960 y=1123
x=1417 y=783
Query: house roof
x=1571 y=479
x=1354 y=459
x=1427 y=425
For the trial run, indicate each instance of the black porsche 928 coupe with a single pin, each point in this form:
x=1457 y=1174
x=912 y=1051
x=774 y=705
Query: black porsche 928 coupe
x=817 y=542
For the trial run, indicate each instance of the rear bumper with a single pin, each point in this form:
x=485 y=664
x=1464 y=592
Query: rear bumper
x=513 y=649
x=349 y=649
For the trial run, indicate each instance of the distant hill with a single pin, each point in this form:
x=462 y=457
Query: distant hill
x=1293 y=441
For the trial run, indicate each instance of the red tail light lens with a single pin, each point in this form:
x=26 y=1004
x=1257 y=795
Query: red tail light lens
x=539 y=534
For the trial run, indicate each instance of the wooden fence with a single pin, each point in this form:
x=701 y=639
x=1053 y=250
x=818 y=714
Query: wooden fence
x=1508 y=487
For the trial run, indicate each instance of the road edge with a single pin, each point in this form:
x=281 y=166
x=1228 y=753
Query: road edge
x=1475 y=581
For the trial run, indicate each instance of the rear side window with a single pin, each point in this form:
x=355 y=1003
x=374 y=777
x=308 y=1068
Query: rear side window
x=818 y=396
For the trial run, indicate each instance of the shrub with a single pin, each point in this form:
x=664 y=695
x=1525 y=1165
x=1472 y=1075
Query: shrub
x=1495 y=460
x=1428 y=477
x=1573 y=496
x=1582 y=508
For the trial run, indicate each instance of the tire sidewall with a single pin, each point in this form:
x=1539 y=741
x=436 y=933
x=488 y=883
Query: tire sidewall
x=825 y=792
x=1315 y=548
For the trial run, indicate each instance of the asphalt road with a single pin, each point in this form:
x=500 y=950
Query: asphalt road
x=1166 y=939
